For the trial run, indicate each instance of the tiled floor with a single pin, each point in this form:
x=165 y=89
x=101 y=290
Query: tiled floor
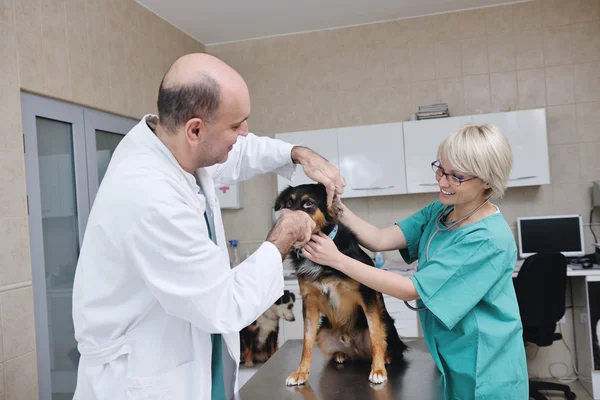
x=576 y=387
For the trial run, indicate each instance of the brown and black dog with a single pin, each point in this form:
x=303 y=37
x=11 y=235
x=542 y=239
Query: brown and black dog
x=258 y=341
x=348 y=320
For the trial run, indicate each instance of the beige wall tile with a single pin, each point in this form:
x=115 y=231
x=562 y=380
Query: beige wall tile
x=55 y=52
x=10 y=115
x=557 y=45
x=530 y=49
x=556 y=12
x=477 y=94
x=560 y=87
x=562 y=124
x=359 y=206
x=423 y=93
x=590 y=162
x=475 y=59
x=564 y=165
x=588 y=122
x=499 y=19
x=532 y=88
x=586 y=41
x=14 y=251
x=447 y=26
x=21 y=378
x=18 y=330
x=419 y=31
x=527 y=16
x=539 y=200
x=400 y=101
x=473 y=23
x=8 y=45
x=584 y=10
x=512 y=205
x=566 y=198
x=31 y=65
x=502 y=52
x=504 y=95
x=12 y=181
x=587 y=82
x=381 y=211
x=448 y=59
x=422 y=62
x=451 y=91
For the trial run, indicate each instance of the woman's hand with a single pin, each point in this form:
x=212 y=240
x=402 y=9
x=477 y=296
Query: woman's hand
x=322 y=250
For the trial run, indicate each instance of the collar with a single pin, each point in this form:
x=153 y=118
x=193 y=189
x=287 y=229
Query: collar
x=331 y=235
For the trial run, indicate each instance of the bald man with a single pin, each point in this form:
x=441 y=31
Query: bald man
x=156 y=307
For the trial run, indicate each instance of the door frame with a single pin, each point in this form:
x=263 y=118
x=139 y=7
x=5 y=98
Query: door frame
x=32 y=107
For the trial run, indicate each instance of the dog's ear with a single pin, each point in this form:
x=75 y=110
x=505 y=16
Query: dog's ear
x=282 y=198
x=278 y=301
x=293 y=296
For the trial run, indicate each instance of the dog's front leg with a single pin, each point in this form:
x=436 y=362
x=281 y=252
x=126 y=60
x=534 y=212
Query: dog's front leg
x=378 y=343
x=311 y=313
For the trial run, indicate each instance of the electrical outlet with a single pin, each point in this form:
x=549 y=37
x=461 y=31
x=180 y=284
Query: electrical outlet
x=563 y=320
x=583 y=318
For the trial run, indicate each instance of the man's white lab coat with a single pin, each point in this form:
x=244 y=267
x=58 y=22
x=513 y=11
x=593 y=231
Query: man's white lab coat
x=150 y=286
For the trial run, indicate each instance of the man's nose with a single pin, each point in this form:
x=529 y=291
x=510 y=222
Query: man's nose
x=243 y=129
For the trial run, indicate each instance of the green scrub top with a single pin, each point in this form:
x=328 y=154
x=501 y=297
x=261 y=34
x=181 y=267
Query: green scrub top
x=472 y=324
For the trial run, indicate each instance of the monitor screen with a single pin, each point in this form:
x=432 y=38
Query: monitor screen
x=562 y=233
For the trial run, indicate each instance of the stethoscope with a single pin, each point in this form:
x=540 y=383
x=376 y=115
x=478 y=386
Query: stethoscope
x=441 y=227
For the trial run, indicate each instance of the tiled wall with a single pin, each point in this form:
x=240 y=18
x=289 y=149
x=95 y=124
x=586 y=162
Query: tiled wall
x=543 y=53
x=105 y=54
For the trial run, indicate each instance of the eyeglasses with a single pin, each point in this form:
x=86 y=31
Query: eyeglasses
x=452 y=179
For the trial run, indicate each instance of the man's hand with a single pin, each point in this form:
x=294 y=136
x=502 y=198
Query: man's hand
x=319 y=169
x=293 y=229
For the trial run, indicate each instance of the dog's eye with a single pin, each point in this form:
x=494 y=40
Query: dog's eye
x=288 y=204
x=308 y=204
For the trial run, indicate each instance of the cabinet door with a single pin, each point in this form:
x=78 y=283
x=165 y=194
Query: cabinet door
x=527 y=134
x=421 y=142
x=372 y=160
x=230 y=196
x=322 y=141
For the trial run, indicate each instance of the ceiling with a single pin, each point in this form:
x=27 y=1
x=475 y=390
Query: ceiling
x=213 y=22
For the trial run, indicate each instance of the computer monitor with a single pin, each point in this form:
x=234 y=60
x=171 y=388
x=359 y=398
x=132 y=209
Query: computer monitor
x=562 y=233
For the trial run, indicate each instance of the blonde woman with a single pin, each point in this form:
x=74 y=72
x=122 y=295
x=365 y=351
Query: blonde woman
x=466 y=256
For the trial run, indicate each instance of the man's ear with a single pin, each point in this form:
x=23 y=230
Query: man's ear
x=282 y=198
x=193 y=128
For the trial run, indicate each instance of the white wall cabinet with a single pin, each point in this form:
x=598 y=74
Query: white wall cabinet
x=230 y=196
x=396 y=158
x=421 y=141
x=372 y=160
x=322 y=141
x=527 y=134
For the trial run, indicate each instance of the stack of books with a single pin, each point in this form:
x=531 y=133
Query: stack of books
x=433 y=111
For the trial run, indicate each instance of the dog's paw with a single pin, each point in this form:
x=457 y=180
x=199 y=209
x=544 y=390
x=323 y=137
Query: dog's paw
x=249 y=364
x=378 y=376
x=297 y=378
x=340 y=357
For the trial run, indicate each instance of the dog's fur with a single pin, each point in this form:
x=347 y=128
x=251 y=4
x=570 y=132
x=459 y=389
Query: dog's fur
x=347 y=319
x=258 y=341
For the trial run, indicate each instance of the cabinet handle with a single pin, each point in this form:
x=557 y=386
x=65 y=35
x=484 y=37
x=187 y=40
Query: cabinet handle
x=520 y=178
x=374 y=188
x=428 y=184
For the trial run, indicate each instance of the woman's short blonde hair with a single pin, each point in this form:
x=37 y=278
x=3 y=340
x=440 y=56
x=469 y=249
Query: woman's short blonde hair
x=482 y=151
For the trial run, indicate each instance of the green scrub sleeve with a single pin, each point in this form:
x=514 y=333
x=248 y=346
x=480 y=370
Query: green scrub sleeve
x=413 y=227
x=456 y=278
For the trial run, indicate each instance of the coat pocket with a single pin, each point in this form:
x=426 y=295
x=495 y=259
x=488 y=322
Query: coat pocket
x=181 y=383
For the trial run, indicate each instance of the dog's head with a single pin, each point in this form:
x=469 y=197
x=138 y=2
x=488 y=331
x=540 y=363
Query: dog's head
x=312 y=199
x=285 y=306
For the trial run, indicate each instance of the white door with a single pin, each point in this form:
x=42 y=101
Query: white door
x=421 y=142
x=57 y=195
x=372 y=160
x=527 y=134
x=322 y=141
